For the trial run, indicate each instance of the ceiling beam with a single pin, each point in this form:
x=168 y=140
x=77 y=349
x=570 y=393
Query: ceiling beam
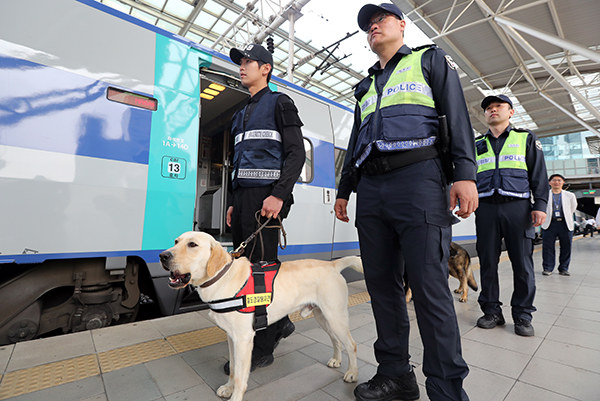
x=552 y=39
x=557 y=76
x=464 y=60
x=192 y=17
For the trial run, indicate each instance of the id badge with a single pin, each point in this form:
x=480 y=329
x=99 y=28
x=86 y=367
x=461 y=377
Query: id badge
x=557 y=214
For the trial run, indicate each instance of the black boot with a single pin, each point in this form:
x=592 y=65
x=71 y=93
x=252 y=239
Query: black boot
x=256 y=363
x=385 y=388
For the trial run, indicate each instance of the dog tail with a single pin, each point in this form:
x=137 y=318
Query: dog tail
x=470 y=278
x=354 y=262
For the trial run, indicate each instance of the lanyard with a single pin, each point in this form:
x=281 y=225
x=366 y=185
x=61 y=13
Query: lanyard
x=556 y=203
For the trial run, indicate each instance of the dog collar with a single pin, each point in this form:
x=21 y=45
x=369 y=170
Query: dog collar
x=217 y=277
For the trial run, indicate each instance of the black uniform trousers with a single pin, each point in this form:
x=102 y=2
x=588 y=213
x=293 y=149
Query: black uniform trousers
x=511 y=221
x=556 y=229
x=404 y=214
x=246 y=202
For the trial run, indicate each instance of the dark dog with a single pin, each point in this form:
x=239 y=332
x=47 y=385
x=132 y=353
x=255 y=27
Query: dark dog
x=459 y=266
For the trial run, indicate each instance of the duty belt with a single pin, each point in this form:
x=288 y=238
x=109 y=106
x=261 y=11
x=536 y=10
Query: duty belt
x=496 y=198
x=396 y=160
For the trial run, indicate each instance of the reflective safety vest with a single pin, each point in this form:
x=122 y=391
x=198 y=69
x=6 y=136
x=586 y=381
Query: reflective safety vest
x=505 y=172
x=403 y=114
x=258 y=148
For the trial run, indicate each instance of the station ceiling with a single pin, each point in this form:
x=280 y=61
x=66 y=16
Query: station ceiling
x=544 y=54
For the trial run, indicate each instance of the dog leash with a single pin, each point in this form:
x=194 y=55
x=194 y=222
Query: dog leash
x=240 y=249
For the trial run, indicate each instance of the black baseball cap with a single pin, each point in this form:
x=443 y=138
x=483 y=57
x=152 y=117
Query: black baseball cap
x=368 y=11
x=495 y=98
x=556 y=175
x=253 y=52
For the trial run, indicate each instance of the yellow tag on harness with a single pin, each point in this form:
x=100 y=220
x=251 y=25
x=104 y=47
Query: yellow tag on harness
x=258 y=299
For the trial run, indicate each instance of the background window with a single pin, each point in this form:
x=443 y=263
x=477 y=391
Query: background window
x=307 y=173
x=340 y=155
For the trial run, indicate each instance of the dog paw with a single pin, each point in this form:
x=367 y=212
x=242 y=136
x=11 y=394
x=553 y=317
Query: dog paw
x=458 y=291
x=351 y=377
x=463 y=300
x=334 y=363
x=224 y=391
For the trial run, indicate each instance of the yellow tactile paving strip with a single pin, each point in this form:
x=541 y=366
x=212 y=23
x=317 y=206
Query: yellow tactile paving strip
x=26 y=381
x=134 y=355
x=197 y=339
x=40 y=377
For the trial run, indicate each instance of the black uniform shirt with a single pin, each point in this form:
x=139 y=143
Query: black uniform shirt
x=288 y=124
x=449 y=101
x=536 y=168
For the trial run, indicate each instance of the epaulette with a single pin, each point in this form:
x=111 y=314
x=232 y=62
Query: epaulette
x=431 y=45
x=520 y=129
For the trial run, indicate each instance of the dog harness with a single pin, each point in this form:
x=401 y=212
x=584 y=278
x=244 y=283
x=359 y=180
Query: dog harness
x=254 y=296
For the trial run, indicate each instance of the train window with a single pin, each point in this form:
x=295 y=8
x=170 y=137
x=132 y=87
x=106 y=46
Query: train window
x=131 y=99
x=307 y=173
x=340 y=155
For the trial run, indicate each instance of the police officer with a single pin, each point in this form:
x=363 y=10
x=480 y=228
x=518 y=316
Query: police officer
x=510 y=171
x=267 y=159
x=404 y=205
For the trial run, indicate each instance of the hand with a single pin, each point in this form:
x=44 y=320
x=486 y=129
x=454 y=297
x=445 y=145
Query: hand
x=229 y=213
x=466 y=192
x=340 y=208
x=537 y=218
x=271 y=207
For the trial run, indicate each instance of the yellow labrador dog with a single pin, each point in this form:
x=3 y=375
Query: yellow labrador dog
x=306 y=285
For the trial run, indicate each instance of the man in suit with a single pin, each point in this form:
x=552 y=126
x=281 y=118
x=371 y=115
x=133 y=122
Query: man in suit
x=560 y=209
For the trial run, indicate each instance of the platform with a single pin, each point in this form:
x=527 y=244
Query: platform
x=181 y=357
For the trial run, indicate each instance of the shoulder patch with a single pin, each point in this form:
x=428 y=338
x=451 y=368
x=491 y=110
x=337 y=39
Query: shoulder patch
x=538 y=144
x=289 y=112
x=451 y=62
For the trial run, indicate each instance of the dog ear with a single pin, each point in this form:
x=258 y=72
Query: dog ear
x=218 y=259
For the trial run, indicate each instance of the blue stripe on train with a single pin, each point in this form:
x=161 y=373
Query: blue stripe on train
x=48 y=109
x=151 y=256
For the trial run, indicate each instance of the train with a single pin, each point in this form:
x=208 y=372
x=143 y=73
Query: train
x=114 y=139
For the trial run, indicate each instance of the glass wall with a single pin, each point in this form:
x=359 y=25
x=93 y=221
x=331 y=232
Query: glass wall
x=569 y=155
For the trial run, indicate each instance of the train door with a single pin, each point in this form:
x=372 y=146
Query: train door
x=221 y=96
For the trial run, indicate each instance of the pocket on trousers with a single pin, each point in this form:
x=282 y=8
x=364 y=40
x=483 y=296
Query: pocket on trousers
x=530 y=233
x=439 y=234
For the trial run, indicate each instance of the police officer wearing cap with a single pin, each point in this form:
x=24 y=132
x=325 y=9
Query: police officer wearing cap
x=510 y=173
x=404 y=204
x=268 y=157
